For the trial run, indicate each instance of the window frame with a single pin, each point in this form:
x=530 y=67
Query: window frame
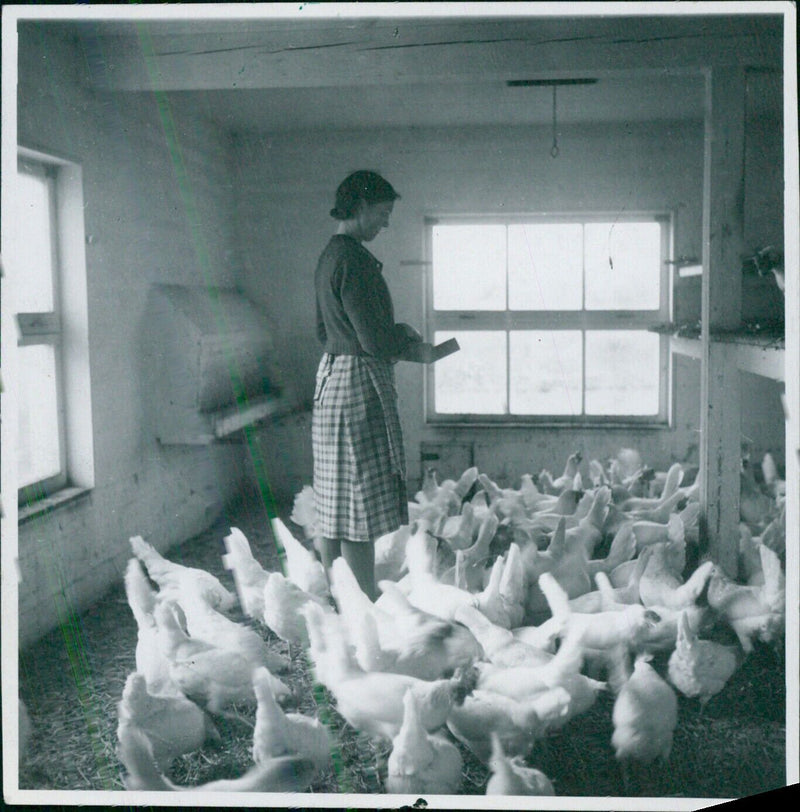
x=39 y=328
x=579 y=319
x=66 y=327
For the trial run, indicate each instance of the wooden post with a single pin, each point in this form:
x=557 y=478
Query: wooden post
x=723 y=234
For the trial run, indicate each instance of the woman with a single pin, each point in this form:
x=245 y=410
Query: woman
x=359 y=460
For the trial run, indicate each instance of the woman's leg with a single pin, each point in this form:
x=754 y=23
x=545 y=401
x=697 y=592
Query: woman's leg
x=330 y=549
x=360 y=556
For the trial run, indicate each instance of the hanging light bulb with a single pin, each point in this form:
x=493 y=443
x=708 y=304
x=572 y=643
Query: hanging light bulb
x=554 y=83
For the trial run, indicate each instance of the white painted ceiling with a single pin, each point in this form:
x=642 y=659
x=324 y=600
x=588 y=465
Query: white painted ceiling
x=281 y=72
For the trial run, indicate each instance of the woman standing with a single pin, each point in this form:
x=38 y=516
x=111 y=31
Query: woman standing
x=359 y=460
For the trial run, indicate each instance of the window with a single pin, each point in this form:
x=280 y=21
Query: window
x=552 y=316
x=54 y=447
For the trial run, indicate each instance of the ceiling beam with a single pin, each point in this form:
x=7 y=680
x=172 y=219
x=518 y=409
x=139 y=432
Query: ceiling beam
x=280 y=53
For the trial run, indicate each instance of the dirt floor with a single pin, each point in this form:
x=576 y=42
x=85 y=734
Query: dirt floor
x=72 y=681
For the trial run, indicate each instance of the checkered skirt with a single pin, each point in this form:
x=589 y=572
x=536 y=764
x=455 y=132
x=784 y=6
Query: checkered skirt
x=359 y=460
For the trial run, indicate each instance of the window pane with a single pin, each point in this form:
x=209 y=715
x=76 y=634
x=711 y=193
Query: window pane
x=33 y=244
x=469 y=267
x=545 y=266
x=546 y=372
x=623 y=266
x=622 y=372
x=38 y=455
x=472 y=380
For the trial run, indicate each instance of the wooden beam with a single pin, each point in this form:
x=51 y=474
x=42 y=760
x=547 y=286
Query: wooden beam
x=723 y=233
x=153 y=55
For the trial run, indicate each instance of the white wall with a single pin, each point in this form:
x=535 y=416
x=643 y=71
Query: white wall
x=158 y=207
x=285 y=189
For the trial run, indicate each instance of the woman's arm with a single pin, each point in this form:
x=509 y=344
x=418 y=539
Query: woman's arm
x=367 y=304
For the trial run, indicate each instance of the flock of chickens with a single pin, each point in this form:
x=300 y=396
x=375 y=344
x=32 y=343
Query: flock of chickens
x=503 y=613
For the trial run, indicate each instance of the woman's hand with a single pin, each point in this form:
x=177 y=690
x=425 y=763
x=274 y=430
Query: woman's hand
x=409 y=332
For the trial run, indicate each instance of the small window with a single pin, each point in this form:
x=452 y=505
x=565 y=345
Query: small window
x=40 y=451
x=552 y=315
x=47 y=261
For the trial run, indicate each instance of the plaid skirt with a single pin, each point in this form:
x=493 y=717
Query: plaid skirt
x=359 y=460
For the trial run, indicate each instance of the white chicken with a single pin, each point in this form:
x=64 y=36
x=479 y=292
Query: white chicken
x=206 y=624
x=150 y=660
x=645 y=715
x=393 y=635
x=661 y=583
x=562 y=671
x=173 y=724
x=390 y=554
x=211 y=676
x=598 y=630
x=753 y=612
x=701 y=668
x=278 y=734
x=283 y=600
x=302 y=566
x=517 y=723
x=249 y=576
x=304 y=513
x=499 y=645
x=373 y=702
x=420 y=762
x=510 y=776
x=283 y=774
x=172 y=578
x=460 y=531
x=424 y=645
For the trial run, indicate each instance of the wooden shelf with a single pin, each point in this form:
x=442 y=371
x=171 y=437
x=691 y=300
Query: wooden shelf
x=755 y=354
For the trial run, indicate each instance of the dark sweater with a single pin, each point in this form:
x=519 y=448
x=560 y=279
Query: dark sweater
x=355 y=315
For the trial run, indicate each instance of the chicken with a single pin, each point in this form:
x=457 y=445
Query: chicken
x=661 y=583
x=644 y=716
x=284 y=774
x=562 y=671
x=150 y=660
x=517 y=723
x=672 y=482
x=172 y=578
x=434 y=502
x=460 y=531
x=390 y=554
x=424 y=645
x=701 y=668
x=568 y=564
x=756 y=508
x=753 y=612
x=510 y=776
x=278 y=734
x=472 y=560
x=622 y=550
x=567 y=478
x=625 y=466
x=648 y=533
x=589 y=529
x=173 y=724
x=206 y=624
x=304 y=513
x=597 y=601
x=513 y=588
x=302 y=566
x=499 y=645
x=373 y=702
x=249 y=576
x=422 y=763
x=283 y=600
x=598 y=630
x=211 y=676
